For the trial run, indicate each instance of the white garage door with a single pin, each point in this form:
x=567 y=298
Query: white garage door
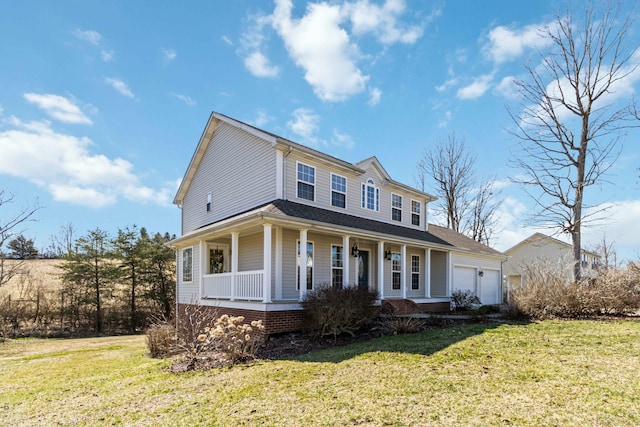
x=490 y=287
x=464 y=279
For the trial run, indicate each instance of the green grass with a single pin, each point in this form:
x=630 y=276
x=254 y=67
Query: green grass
x=567 y=373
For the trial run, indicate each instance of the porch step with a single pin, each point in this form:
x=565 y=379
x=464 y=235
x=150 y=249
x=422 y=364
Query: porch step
x=399 y=307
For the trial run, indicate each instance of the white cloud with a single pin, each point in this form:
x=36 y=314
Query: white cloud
x=58 y=107
x=477 y=88
x=318 y=44
x=64 y=165
x=120 y=86
x=505 y=44
x=374 y=96
x=446 y=85
x=619 y=225
x=107 y=55
x=169 y=55
x=304 y=123
x=90 y=36
x=259 y=65
x=1 y=110
x=262 y=119
x=507 y=88
x=186 y=99
x=342 y=140
x=382 y=21
x=445 y=120
x=227 y=40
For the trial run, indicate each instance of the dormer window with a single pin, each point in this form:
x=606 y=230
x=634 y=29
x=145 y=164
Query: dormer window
x=306 y=182
x=396 y=207
x=370 y=196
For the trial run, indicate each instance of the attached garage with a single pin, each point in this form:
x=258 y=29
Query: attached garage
x=464 y=279
x=490 y=288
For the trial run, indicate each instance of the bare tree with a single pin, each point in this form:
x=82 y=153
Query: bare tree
x=9 y=228
x=451 y=167
x=571 y=121
x=468 y=204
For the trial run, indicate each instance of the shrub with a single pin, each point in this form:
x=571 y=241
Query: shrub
x=547 y=293
x=234 y=338
x=463 y=300
x=334 y=311
x=403 y=325
x=161 y=340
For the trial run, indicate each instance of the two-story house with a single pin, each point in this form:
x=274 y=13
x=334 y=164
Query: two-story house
x=265 y=220
x=542 y=250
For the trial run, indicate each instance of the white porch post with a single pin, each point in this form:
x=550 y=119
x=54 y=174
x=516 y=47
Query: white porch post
x=278 y=275
x=346 y=252
x=266 y=279
x=381 y=269
x=449 y=274
x=427 y=273
x=403 y=270
x=234 y=262
x=303 y=263
x=204 y=257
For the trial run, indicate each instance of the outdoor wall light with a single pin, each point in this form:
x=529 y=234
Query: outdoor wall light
x=387 y=254
x=354 y=250
x=480 y=273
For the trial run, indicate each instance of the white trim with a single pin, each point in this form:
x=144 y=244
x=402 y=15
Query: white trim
x=266 y=263
x=298 y=163
x=380 y=276
x=235 y=245
x=278 y=256
x=346 y=254
x=427 y=274
x=280 y=174
x=331 y=190
x=403 y=272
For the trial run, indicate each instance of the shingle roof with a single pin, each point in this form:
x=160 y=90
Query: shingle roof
x=437 y=235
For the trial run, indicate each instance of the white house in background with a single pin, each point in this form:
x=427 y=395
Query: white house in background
x=541 y=249
x=251 y=199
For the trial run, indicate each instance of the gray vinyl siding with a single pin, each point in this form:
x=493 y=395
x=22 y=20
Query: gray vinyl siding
x=354 y=192
x=289 y=272
x=251 y=252
x=188 y=292
x=238 y=169
x=438 y=273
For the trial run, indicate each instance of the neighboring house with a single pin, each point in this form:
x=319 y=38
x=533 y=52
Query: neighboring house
x=544 y=250
x=251 y=199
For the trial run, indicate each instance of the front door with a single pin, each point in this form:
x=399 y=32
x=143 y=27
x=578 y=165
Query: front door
x=363 y=269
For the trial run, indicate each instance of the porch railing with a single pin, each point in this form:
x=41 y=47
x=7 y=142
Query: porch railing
x=248 y=285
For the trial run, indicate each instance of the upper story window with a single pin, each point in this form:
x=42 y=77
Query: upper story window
x=415 y=212
x=338 y=191
x=396 y=207
x=187 y=265
x=208 y=202
x=370 y=196
x=306 y=181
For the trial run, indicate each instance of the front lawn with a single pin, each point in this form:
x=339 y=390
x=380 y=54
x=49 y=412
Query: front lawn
x=568 y=373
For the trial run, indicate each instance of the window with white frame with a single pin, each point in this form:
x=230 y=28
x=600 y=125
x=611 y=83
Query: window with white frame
x=415 y=212
x=396 y=207
x=396 y=269
x=187 y=265
x=338 y=191
x=337 y=269
x=309 y=265
x=370 y=196
x=415 y=272
x=306 y=181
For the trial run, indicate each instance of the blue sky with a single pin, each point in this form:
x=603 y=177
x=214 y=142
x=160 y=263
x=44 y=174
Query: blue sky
x=103 y=102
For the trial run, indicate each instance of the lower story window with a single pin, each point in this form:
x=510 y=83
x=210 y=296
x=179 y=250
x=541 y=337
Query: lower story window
x=395 y=271
x=415 y=272
x=337 y=271
x=309 y=266
x=187 y=265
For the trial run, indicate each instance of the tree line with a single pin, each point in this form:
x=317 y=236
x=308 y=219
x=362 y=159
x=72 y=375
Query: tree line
x=106 y=284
